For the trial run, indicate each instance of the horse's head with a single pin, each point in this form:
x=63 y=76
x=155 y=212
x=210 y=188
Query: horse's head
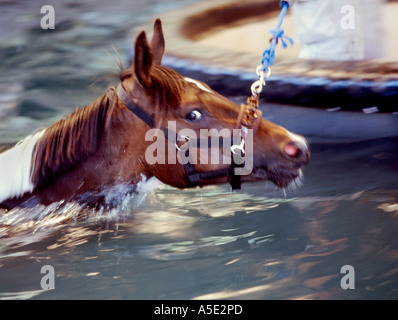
x=187 y=129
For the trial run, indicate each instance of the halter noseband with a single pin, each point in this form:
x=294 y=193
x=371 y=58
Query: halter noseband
x=194 y=177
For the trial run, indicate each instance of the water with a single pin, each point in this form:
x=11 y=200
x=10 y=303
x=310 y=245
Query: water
x=208 y=243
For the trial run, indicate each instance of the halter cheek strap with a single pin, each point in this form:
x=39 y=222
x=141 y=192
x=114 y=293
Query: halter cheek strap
x=133 y=107
x=194 y=178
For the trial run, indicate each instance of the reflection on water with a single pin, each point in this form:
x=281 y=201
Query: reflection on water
x=207 y=244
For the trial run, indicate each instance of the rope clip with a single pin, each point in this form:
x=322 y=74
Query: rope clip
x=257 y=86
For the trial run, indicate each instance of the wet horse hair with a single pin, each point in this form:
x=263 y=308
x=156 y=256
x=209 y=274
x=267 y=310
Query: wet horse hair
x=72 y=139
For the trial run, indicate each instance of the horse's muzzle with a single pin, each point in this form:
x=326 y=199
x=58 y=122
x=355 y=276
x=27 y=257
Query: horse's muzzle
x=297 y=152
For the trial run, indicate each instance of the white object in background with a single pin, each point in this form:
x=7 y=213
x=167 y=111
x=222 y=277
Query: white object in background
x=339 y=29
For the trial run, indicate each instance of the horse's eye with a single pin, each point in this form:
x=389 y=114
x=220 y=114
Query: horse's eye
x=193 y=115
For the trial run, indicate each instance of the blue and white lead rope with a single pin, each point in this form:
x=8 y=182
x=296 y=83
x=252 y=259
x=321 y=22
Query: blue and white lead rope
x=263 y=71
x=268 y=57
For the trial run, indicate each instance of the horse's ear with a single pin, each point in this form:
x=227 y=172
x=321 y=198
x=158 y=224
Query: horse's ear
x=143 y=60
x=157 y=42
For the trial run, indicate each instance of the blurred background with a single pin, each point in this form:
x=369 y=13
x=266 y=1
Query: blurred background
x=43 y=71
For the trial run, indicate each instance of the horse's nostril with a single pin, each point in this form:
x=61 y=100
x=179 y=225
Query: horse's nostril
x=292 y=150
x=297 y=151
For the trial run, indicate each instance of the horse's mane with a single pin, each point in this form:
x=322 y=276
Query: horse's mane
x=72 y=139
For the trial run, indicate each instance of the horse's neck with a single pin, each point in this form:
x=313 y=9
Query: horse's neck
x=98 y=145
x=104 y=150
x=70 y=140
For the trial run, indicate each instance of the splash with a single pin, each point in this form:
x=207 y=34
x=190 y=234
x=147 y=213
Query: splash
x=120 y=201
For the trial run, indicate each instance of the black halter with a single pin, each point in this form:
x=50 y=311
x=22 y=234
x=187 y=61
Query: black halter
x=194 y=177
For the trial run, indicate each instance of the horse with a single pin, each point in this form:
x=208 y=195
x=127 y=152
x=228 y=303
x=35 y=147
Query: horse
x=104 y=144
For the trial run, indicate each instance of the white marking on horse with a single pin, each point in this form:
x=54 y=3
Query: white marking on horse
x=297 y=138
x=198 y=84
x=16 y=166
